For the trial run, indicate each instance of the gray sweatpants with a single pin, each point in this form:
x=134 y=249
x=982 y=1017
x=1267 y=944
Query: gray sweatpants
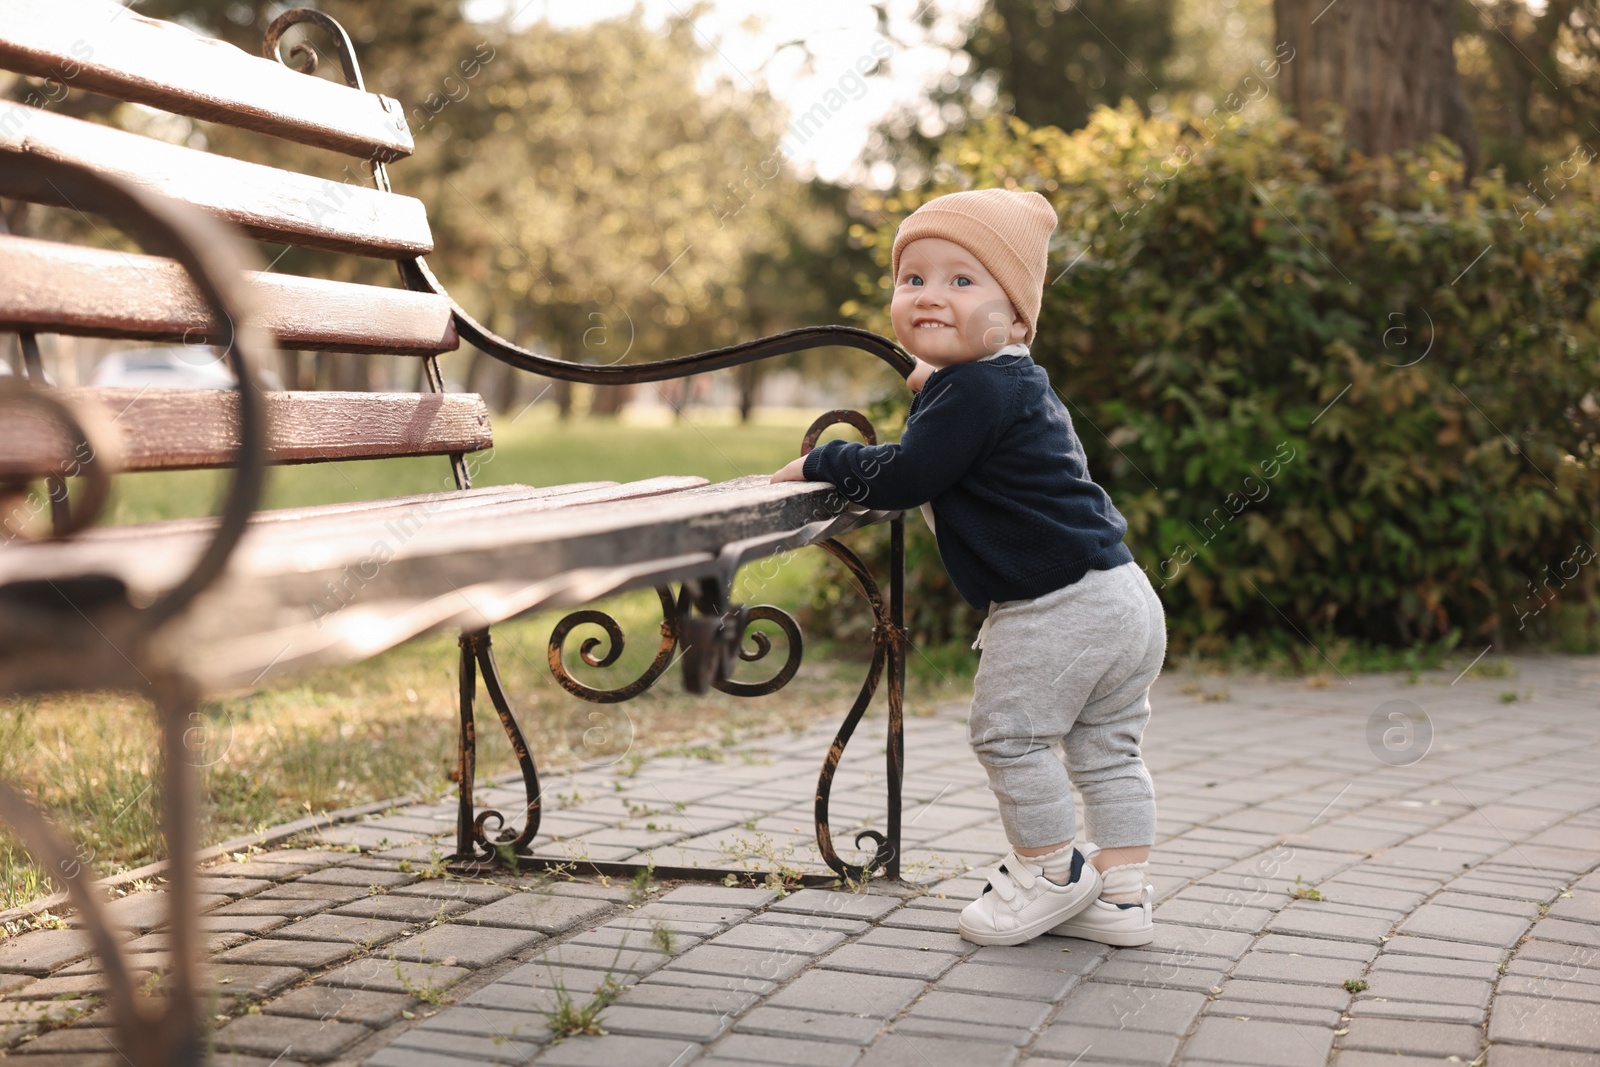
x=1072 y=667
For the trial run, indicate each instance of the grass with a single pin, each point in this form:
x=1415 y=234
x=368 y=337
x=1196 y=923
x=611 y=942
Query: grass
x=386 y=728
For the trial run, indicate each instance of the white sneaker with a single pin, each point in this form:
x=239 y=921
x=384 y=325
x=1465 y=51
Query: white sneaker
x=1123 y=925
x=1020 y=903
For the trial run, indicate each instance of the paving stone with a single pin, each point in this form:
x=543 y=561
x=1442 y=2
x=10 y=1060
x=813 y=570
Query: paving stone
x=361 y=1006
x=721 y=917
x=996 y=981
x=532 y=1001
x=361 y=877
x=849 y=927
x=717 y=896
x=1259 y=1042
x=878 y=996
x=765 y=938
x=1523 y=1056
x=393 y=976
x=646 y=927
x=398 y=1056
x=1048 y=954
x=450 y=889
x=493 y=1049
x=695 y=980
x=897 y=962
x=920 y=940
x=1401 y=944
x=1162 y=972
x=1557 y=1023
x=394 y=907
x=282 y=1035
x=333 y=894
x=635 y=961
x=1419 y=1011
x=932 y=1026
x=248 y=924
x=281 y=909
x=726 y=1002
x=664 y=939
x=546 y=913
x=1445 y=967
x=233 y=887
x=616 y=1049
x=1310 y=946
x=1432 y=989
x=1264 y=1010
x=1131 y=1007
x=1330 y=997
x=524 y=1026
x=906 y=1050
x=1462 y=924
x=455 y=944
x=775 y=966
x=1090 y=1044
x=1213 y=915
x=1438 y=1040
x=307 y=955
x=810 y=1025
x=347 y=928
x=271 y=872
x=256 y=981
x=1192 y=940
x=39 y=952
x=767 y=1050
x=921 y=919
x=1305 y=970
x=839 y=905
x=971 y=1008
x=1309 y=921
x=1570 y=932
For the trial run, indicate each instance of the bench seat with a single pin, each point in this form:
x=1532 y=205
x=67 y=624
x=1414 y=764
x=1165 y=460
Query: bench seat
x=339 y=583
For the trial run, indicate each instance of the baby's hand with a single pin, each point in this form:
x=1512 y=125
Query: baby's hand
x=919 y=375
x=792 y=471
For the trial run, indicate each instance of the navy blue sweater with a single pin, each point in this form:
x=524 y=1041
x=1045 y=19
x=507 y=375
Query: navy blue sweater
x=991 y=446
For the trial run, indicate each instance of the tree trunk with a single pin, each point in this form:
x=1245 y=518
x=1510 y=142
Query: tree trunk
x=1388 y=64
x=749 y=382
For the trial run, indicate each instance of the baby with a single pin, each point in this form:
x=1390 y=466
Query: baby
x=1075 y=635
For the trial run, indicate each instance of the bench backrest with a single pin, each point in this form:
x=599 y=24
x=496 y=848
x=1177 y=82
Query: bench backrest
x=51 y=287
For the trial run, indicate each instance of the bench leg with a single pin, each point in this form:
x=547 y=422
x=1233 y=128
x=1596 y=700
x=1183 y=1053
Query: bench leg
x=888 y=656
x=472 y=835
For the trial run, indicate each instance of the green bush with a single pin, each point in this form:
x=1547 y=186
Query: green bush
x=1335 y=396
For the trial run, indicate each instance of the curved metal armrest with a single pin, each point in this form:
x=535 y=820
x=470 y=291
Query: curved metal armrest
x=419 y=278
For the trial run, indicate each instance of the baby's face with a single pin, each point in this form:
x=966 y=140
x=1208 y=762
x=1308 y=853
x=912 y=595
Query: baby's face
x=946 y=308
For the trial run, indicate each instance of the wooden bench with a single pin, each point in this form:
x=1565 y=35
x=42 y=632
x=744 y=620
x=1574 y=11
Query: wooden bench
x=183 y=609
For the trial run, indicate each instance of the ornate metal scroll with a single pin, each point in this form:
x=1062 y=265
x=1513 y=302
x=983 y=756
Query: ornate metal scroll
x=473 y=843
x=888 y=654
x=614 y=638
x=83 y=632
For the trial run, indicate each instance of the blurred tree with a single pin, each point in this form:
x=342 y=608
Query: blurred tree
x=1533 y=77
x=588 y=195
x=1047 y=62
x=1389 y=65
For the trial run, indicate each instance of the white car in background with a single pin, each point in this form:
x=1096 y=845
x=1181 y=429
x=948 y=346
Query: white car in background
x=171 y=367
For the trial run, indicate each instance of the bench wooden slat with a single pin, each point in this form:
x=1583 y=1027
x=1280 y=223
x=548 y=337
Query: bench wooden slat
x=96 y=292
x=187 y=429
x=321 y=522
x=108 y=49
x=271 y=204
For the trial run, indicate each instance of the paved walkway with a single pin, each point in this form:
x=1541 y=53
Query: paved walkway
x=1335 y=886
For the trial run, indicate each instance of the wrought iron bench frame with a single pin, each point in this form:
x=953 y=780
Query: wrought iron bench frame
x=700 y=621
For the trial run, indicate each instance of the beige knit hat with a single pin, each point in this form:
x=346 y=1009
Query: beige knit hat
x=1007 y=230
